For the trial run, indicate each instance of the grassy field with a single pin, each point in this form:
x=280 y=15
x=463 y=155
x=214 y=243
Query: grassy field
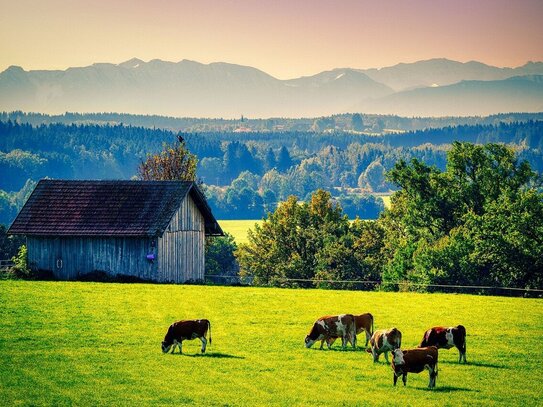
x=93 y=343
x=238 y=228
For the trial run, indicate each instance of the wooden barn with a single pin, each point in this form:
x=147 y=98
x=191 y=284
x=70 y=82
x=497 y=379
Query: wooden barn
x=153 y=230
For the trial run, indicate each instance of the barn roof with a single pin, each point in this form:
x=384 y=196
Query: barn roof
x=107 y=208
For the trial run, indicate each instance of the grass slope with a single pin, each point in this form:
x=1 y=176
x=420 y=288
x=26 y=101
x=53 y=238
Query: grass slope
x=93 y=343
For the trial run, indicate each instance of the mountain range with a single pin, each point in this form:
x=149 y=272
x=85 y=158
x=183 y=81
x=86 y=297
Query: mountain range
x=436 y=87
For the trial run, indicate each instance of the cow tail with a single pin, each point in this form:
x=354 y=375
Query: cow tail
x=372 y=330
x=209 y=329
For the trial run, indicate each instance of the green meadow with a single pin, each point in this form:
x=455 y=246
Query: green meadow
x=238 y=228
x=68 y=343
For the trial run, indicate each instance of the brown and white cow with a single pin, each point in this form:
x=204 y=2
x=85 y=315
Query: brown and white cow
x=446 y=337
x=363 y=322
x=186 y=330
x=384 y=341
x=415 y=361
x=333 y=326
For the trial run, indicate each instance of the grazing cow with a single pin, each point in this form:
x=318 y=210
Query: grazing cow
x=186 y=330
x=333 y=326
x=446 y=337
x=415 y=361
x=363 y=322
x=384 y=340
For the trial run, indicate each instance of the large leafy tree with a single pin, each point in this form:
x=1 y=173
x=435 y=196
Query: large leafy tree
x=174 y=162
x=478 y=222
x=311 y=241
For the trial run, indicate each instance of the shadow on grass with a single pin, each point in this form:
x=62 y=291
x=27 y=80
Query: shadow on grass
x=478 y=364
x=338 y=349
x=217 y=355
x=445 y=389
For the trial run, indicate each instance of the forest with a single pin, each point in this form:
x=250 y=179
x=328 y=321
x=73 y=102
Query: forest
x=245 y=174
x=477 y=223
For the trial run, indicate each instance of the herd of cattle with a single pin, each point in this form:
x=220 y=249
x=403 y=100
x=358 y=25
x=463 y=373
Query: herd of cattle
x=347 y=327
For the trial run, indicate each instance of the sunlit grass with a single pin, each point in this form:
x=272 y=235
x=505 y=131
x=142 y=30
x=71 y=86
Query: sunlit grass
x=238 y=228
x=93 y=343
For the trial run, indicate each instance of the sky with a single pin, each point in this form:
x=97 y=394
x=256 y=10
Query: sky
x=286 y=39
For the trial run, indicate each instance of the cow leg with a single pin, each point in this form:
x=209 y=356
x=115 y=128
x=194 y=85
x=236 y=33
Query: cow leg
x=204 y=343
x=395 y=379
x=433 y=375
x=179 y=345
x=322 y=343
x=174 y=345
x=343 y=342
x=330 y=342
x=368 y=337
x=404 y=379
x=462 y=351
x=386 y=356
x=375 y=355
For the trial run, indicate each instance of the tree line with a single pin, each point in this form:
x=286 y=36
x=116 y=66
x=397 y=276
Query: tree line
x=246 y=174
x=478 y=222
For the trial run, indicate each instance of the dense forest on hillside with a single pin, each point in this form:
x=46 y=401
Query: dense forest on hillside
x=245 y=173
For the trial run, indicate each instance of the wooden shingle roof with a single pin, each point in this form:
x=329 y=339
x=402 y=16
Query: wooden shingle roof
x=107 y=208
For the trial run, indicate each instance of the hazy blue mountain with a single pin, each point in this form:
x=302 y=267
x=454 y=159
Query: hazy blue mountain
x=443 y=71
x=189 y=88
x=186 y=88
x=466 y=98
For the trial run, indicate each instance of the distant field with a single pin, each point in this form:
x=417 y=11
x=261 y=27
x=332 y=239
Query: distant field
x=386 y=200
x=99 y=344
x=238 y=228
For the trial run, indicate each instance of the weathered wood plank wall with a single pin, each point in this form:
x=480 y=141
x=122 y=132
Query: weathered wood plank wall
x=70 y=257
x=179 y=253
x=181 y=248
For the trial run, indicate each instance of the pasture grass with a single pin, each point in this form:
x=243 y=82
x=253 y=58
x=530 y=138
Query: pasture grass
x=238 y=228
x=68 y=343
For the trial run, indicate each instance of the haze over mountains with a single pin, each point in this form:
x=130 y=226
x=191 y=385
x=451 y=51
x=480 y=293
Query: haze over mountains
x=437 y=87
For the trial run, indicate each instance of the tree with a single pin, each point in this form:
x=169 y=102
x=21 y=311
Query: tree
x=357 y=123
x=174 y=162
x=269 y=160
x=284 y=162
x=374 y=177
x=309 y=241
x=9 y=245
x=220 y=260
x=478 y=222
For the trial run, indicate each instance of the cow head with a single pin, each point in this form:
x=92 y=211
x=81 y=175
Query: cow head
x=397 y=357
x=309 y=342
x=166 y=346
x=314 y=335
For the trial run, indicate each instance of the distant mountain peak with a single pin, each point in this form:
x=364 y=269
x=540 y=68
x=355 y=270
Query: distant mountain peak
x=14 y=69
x=131 y=63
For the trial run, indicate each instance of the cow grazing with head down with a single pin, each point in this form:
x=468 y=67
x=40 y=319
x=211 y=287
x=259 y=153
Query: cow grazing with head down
x=446 y=337
x=415 y=361
x=363 y=322
x=186 y=330
x=384 y=341
x=333 y=327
